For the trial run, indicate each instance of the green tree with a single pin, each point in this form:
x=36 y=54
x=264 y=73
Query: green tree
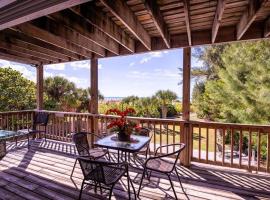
x=16 y=92
x=164 y=98
x=130 y=100
x=239 y=91
x=62 y=94
x=84 y=98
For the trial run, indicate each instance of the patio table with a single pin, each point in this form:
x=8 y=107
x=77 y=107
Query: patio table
x=135 y=145
x=7 y=135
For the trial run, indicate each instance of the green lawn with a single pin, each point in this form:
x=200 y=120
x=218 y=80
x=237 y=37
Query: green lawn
x=168 y=137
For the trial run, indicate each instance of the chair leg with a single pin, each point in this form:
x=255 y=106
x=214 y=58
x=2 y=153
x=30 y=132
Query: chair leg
x=81 y=190
x=111 y=190
x=135 y=195
x=141 y=181
x=128 y=186
x=28 y=141
x=73 y=168
x=172 y=186
x=179 y=180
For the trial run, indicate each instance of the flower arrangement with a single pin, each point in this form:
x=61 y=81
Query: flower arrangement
x=122 y=125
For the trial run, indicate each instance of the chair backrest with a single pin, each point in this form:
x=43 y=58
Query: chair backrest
x=81 y=143
x=178 y=152
x=41 y=118
x=92 y=170
x=219 y=147
x=144 y=132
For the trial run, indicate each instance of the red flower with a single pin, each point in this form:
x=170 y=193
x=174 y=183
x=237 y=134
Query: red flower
x=121 y=123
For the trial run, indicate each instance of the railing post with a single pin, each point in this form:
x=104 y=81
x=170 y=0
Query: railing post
x=94 y=97
x=185 y=127
x=39 y=92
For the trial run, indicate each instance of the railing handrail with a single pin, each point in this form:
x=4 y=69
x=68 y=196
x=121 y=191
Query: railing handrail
x=194 y=122
x=222 y=124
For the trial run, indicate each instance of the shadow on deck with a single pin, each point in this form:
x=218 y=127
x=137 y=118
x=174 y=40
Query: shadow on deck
x=43 y=171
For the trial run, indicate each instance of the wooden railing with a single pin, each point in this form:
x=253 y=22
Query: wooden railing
x=232 y=145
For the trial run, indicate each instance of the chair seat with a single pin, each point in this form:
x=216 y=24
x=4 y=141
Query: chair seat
x=111 y=174
x=29 y=131
x=159 y=164
x=97 y=153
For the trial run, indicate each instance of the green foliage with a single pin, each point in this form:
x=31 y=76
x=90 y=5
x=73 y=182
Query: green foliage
x=164 y=98
x=16 y=92
x=235 y=87
x=240 y=91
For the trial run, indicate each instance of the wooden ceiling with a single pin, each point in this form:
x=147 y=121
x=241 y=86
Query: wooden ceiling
x=42 y=32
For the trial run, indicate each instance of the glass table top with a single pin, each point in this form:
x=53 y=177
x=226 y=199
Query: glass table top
x=136 y=144
x=6 y=134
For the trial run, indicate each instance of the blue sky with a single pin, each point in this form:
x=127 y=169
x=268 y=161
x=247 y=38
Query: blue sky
x=140 y=74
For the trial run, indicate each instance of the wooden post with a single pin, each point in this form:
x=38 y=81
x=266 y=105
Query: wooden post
x=94 y=98
x=39 y=91
x=186 y=133
x=94 y=86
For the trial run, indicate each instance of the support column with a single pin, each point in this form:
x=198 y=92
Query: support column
x=186 y=136
x=39 y=90
x=94 y=86
x=94 y=97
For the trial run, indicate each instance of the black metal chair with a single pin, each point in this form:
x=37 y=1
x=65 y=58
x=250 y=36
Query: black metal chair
x=84 y=150
x=106 y=174
x=41 y=119
x=158 y=164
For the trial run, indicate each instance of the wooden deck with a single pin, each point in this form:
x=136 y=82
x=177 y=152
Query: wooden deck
x=43 y=173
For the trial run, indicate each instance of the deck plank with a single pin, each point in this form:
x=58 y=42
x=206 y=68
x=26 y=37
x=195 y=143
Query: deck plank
x=43 y=171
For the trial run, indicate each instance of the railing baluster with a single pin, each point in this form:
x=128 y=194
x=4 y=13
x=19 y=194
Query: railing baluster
x=215 y=144
x=154 y=136
x=232 y=146
x=268 y=152
x=199 y=142
x=249 y=149
x=174 y=135
x=223 y=146
x=160 y=136
x=240 y=148
x=207 y=138
x=167 y=137
x=259 y=150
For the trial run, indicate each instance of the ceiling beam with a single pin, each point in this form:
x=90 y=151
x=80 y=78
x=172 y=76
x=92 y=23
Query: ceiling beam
x=217 y=20
x=26 y=48
x=267 y=27
x=187 y=20
x=122 y=12
x=13 y=48
x=249 y=16
x=44 y=35
x=72 y=36
x=16 y=58
x=153 y=9
x=61 y=53
x=25 y=11
x=100 y=20
x=80 y=25
x=54 y=56
x=4 y=3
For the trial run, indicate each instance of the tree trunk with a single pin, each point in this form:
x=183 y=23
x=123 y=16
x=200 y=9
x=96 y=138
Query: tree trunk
x=164 y=111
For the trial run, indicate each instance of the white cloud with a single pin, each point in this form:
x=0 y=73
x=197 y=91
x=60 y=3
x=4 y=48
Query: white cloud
x=100 y=66
x=79 y=82
x=131 y=64
x=150 y=56
x=57 y=67
x=22 y=68
x=156 y=74
x=85 y=64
